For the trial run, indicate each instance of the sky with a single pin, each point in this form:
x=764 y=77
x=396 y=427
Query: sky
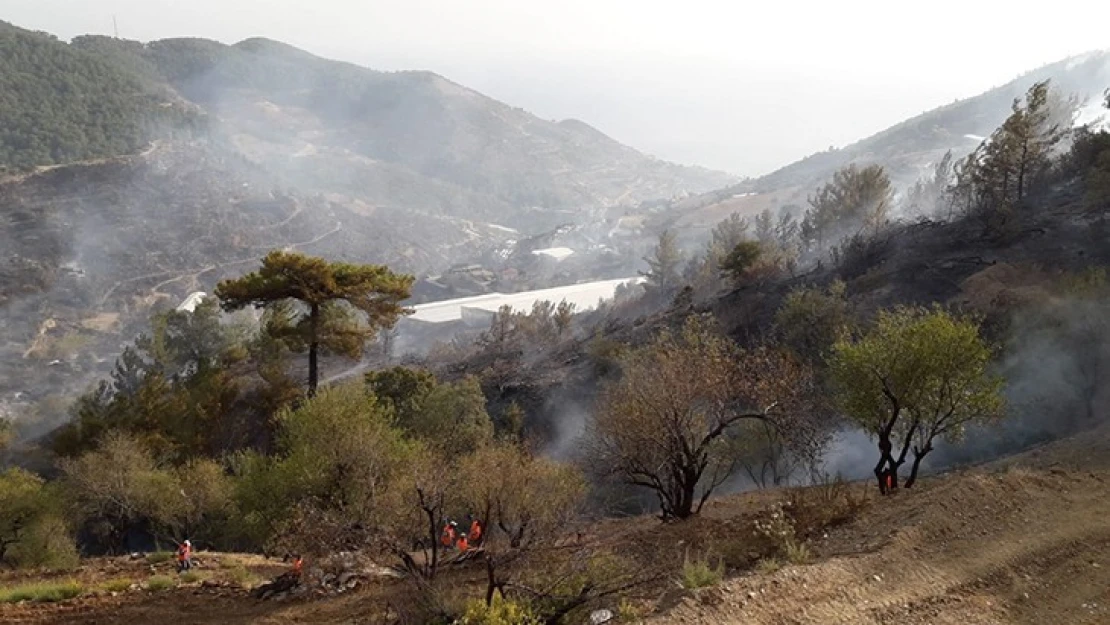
x=738 y=86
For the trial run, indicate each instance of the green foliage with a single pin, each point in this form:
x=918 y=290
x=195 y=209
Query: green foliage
x=41 y=592
x=450 y=416
x=742 y=260
x=915 y=375
x=723 y=239
x=159 y=583
x=7 y=433
x=158 y=557
x=120 y=483
x=315 y=304
x=339 y=455
x=61 y=104
x=810 y=320
x=500 y=612
x=855 y=200
x=403 y=389
x=996 y=176
x=174 y=389
x=512 y=422
x=120 y=584
x=664 y=263
x=453 y=418
x=33 y=531
x=699 y=573
x=190 y=577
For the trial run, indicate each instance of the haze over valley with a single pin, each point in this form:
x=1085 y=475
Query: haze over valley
x=524 y=314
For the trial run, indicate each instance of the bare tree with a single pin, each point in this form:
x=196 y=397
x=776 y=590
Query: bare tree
x=665 y=425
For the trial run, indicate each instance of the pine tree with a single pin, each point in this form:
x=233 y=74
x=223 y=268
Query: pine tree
x=314 y=304
x=664 y=263
x=854 y=200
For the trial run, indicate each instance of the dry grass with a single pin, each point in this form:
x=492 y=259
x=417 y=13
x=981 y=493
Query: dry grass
x=161 y=582
x=120 y=584
x=43 y=592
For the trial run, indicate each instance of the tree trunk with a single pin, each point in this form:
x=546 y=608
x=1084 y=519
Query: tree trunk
x=885 y=465
x=918 y=456
x=313 y=348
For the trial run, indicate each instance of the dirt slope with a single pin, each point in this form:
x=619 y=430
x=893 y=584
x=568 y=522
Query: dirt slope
x=1025 y=541
x=1022 y=541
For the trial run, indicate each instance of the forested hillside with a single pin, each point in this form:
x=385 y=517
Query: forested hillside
x=60 y=104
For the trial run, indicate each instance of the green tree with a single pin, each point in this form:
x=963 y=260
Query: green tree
x=120 y=485
x=998 y=174
x=404 y=389
x=915 y=375
x=666 y=424
x=742 y=260
x=32 y=526
x=564 y=315
x=333 y=482
x=854 y=200
x=523 y=500
x=810 y=320
x=664 y=263
x=319 y=304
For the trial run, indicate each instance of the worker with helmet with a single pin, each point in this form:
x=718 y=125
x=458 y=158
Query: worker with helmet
x=184 y=556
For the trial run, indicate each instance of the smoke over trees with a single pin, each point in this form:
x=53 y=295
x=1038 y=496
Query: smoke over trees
x=1000 y=173
x=666 y=424
x=918 y=374
x=854 y=201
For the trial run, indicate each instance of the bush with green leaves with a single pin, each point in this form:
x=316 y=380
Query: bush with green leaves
x=41 y=592
x=700 y=573
x=499 y=612
x=34 y=530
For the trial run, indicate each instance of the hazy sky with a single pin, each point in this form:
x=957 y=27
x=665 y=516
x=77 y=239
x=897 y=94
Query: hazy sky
x=734 y=85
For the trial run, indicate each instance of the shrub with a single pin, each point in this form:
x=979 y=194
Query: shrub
x=240 y=575
x=797 y=553
x=780 y=528
x=32 y=530
x=158 y=557
x=501 y=612
x=160 y=582
x=48 y=592
x=768 y=565
x=831 y=502
x=190 y=577
x=120 y=584
x=627 y=611
x=698 y=573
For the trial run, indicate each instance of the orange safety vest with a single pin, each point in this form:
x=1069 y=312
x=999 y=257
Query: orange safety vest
x=475 y=531
x=448 y=536
x=182 y=553
x=297 y=565
x=462 y=545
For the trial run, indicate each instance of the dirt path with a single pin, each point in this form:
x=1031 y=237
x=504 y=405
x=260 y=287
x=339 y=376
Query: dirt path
x=1021 y=546
x=194 y=274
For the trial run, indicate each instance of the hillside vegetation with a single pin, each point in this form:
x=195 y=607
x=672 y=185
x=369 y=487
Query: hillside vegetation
x=940 y=341
x=60 y=105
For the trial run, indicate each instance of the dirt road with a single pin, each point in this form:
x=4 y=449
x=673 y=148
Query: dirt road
x=1027 y=544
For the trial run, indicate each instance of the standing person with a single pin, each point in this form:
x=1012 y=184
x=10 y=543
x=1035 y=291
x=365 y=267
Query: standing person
x=475 y=532
x=184 y=556
x=449 y=534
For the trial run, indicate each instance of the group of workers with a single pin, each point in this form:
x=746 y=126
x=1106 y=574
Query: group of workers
x=463 y=541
